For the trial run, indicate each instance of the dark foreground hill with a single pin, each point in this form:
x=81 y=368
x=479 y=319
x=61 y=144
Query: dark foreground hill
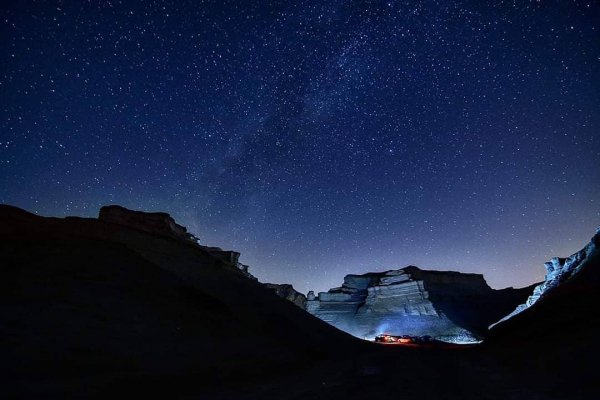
x=91 y=308
x=559 y=327
x=86 y=302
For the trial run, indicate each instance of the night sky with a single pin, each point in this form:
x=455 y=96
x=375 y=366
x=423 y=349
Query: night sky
x=318 y=138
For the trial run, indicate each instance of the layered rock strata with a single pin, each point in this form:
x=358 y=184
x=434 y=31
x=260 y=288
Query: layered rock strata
x=561 y=272
x=162 y=224
x=446 y=305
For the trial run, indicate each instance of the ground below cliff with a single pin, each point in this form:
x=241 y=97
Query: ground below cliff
x=92 y=309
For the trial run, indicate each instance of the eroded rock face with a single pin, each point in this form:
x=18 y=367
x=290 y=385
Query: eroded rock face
x=156 y=223
x=289 y=293
x=162 y=224
x=560 y=271
x=446 y=305
x=228 y=256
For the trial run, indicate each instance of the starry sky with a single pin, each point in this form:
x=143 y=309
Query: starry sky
x=318 y=138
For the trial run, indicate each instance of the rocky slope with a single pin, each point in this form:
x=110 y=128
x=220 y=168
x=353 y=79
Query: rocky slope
x=555 y=334
x=566 y=299
x=87 y=304
x=97 y=309
x=449 y=306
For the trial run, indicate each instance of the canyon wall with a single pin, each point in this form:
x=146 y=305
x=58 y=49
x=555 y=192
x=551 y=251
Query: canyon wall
x=447 y=305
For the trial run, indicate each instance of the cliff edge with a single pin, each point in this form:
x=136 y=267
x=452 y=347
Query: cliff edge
x=447 y=305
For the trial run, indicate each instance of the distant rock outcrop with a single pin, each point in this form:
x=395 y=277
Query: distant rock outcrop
x=450 y=306
x=561 y=272
x=289 y=293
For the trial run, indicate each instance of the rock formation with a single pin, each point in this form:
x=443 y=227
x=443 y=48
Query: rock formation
x=557 y=329
x=162 y=224
x=289 y=293
x=450 y=306
x=561 y=272
x=94 y=309
x=155 y=223
x=87 y=302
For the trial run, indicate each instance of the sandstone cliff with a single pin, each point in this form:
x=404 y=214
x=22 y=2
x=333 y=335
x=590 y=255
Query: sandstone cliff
x=450 y=306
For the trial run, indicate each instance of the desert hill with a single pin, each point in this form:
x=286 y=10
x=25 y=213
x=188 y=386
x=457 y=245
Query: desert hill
x=130 y=305
x=86 y=302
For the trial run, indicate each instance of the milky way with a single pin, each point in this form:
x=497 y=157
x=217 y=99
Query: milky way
x=318 y=138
